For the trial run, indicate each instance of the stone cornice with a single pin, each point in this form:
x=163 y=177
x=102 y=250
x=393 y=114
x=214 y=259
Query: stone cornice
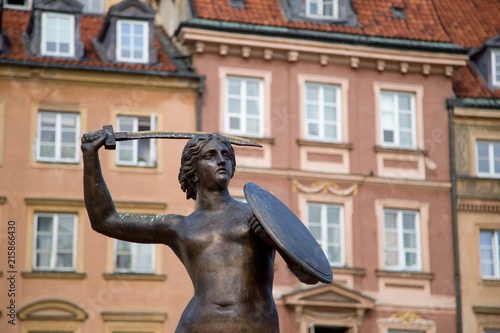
x=295 y=49
x=151 y=79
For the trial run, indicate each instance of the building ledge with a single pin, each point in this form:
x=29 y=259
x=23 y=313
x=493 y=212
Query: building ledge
x=312 y=143
x=53 y=275
x=380 y=149
x=489 y=310
x=349 y=270
x=135 y=276
x=404 y=275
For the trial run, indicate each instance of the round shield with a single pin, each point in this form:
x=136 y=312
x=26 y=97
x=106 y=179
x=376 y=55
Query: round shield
x=288 y=232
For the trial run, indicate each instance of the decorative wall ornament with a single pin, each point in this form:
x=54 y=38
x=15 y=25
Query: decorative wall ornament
x=406 y=316
x=406 y=320
x=325 y=187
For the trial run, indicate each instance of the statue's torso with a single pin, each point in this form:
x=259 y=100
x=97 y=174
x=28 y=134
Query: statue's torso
x=232 y=272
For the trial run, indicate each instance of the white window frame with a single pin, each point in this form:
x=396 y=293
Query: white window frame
x=495 y=249
x=135 y=143
x=396 y=113
x=54 y=234
x=44 y=34
x=321 y=122
x=321 y=6
x=243 y=98
x=402 y=266
x=324 y=242
x=134 y=258
x=93 y=6
x=491 y=159
x=58 y=138
x=145 y=42
x=495 y=67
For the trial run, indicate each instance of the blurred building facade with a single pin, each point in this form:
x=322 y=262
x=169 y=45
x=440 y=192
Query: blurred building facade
x=63 y=73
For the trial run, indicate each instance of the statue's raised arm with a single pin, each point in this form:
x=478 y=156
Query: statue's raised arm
x=101 y=209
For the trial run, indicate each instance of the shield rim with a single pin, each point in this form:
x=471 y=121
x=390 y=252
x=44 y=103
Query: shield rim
x=320 y=274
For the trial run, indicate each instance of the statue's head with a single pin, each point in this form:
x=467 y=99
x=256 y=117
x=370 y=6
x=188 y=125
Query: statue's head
x=190 y=156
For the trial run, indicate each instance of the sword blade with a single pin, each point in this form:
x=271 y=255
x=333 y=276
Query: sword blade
x=124 y=136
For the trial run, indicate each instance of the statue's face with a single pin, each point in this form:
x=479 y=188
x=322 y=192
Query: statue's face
x=214 y=166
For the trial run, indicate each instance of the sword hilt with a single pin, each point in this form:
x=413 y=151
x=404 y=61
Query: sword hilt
x=110 y=143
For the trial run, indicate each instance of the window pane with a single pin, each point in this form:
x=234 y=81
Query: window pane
x=44 y=242
x=391 y=258
x=388 y=136
x=391 y=239
x=233 y=86
x=44 y=223
x=334 y=254
x=411 y=259
x=252 y=126
x=252 y=88
x=312 y=112
x=404 y=102
x=144 y=253
x=330 y=95
x=314 y=213
x=252 y=108
x=64 y=260
x=405 y=139
x=234 y=106
x=312 y=92
x=234 y=123
x=330 y=114
x=390 y=219
x=330 y=132
x=313 y=129
x=386 y=101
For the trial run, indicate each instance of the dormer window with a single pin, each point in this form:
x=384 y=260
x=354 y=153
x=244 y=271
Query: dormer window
x=323 y=11
x=58 y=34
x=328 y=9
x=127 y=34
x=132 y=41
x=487 y=62
x=495 y=65
x=54 y=29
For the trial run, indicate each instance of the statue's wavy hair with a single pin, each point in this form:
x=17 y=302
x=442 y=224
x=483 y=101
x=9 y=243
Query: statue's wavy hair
x=191 y=155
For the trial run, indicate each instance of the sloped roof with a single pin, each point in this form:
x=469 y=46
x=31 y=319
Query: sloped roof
x=470 y=23
x=15 y=22
x=375 y=18
x=465 y=23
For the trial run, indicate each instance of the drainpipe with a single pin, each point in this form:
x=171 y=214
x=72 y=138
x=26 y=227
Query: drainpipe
x=456 y=258
x=201 y=89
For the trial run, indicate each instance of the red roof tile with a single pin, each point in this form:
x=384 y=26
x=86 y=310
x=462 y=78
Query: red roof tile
x=468 y=83
x=374 y=16
x=15 y=23
x=470 y=22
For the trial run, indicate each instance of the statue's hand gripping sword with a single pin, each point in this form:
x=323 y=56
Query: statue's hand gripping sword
x=112 y=137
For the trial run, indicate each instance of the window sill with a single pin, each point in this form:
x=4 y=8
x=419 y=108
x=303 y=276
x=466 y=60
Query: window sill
x=487 y=310
x=349 y=271
x=313 y=143
x=53 y=275
x=404 y=274
x=490 y=282
x=135 y=276
x=399 y=150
